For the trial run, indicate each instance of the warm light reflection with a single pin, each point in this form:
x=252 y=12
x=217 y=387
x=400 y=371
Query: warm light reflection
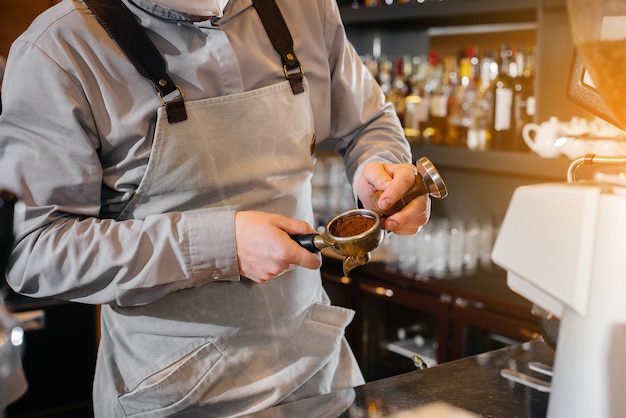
x=384 y=292
x=17 y=336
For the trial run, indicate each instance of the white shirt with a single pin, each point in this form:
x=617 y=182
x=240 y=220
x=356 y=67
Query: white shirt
x=76 y=129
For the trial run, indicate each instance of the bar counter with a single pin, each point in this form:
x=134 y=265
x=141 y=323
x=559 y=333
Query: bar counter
x=473 y=384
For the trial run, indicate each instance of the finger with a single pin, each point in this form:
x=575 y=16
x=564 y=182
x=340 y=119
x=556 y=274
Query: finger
x=411 y=218
x=292 y=255
x=307 y=259
x=295 y=227
x=402 y=179
x=298 y=255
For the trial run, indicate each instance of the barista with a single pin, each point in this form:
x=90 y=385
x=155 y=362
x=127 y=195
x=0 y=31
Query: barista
x=3 y=63
x=181 y=231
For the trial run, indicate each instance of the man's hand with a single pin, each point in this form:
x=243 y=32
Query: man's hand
x=393 y=180
x=265 y=248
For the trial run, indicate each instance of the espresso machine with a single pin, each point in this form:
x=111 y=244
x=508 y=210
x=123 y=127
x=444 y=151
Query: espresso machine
x=563 y=245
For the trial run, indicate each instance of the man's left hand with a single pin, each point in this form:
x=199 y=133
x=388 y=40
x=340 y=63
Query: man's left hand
x=394 y=180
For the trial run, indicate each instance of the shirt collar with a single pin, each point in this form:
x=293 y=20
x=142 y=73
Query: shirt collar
x=163 y=12
x=232 y=8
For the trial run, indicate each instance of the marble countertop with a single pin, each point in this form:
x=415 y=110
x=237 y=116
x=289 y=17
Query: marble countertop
x=473 y=384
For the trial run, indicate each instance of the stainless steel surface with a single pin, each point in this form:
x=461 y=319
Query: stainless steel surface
x=359 y=244
x=540 y=368
x=418 y=362
x=526 y=380
x=431 y=177
x=592 y=160
x=355 y=248
x=352 y=262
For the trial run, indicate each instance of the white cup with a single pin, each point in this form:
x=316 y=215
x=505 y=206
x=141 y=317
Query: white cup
x=542 y=138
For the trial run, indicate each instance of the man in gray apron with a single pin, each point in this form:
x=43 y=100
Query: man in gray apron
x=181 y=230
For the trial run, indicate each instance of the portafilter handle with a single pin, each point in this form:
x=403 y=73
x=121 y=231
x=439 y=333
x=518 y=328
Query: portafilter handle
x=312 y=242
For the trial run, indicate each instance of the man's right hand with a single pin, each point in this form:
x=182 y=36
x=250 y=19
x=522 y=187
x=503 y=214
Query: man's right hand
x=265 y=248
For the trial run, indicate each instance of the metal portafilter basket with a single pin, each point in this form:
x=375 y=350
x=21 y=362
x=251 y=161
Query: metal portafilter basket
x=355 y=233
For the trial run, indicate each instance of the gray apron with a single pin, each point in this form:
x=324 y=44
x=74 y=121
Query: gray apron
x=237 y=346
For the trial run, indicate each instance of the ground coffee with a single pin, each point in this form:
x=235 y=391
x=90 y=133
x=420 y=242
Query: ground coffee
x=349 y=226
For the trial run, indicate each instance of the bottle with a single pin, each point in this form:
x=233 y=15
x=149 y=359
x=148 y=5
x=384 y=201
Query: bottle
x=385 y=76
x=399 y=89
x=503 y=133
x=432 y=79
x=479 y=133
x=461 y=100
x=524 y=105
x=443 y=83
x=372 y=65
x=415 y=103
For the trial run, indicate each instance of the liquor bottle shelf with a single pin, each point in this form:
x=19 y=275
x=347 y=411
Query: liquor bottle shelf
x=446 y=9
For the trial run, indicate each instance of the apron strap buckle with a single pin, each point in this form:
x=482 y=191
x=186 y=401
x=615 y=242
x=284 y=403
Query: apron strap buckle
x=175 y=108
x=295 y=76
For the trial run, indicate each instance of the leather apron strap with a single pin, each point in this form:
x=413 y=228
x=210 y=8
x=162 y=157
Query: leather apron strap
x=123 y=28
x=279 y=35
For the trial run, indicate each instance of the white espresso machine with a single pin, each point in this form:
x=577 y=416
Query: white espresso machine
x=563 y=245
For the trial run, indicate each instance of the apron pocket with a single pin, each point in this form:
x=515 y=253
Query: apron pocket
x=332 y=315
x=313 y=357
x=174 y=388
